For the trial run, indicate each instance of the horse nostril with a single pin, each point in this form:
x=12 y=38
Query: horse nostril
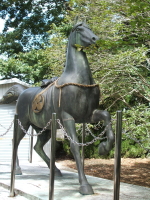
x=93 y=38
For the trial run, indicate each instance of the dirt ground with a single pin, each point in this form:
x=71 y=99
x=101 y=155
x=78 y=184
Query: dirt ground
x=133 y=171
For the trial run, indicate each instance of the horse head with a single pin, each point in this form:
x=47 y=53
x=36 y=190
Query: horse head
x=81 y=36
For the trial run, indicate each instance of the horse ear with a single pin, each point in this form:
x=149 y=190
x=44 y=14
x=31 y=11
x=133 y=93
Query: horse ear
x=84 y=20
x=80 y=19
x=76 y=19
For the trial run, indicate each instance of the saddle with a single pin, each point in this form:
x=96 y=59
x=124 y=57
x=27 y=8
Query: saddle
x=38 y=102
x=46 y=82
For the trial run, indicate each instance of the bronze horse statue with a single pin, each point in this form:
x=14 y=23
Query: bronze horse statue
x=74 y=97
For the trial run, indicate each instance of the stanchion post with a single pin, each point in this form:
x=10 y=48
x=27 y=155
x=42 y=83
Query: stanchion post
x=31 y=146
x=52 y=157
x=117 y=166
x=14 y=157
x=83 y=140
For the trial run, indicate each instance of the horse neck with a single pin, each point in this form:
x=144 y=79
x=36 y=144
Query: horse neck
x=77 y=65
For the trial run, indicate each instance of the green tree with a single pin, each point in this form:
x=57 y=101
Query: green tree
x=36 y=65
x=27 y=23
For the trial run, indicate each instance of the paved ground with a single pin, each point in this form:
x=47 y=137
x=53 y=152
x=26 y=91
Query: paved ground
x=34 y=185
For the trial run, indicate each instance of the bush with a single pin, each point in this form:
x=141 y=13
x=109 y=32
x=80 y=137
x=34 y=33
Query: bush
x=135 y=135
x=136 y=132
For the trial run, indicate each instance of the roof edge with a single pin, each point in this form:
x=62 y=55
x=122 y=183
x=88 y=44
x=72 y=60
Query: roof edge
x=14 y=80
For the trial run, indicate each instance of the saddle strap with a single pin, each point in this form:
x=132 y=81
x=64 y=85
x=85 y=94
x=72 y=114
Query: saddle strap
x=75 y=84
x=38 y=101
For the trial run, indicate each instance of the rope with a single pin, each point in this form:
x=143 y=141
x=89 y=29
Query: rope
x=34 y=106
x=43 y=90
x=75 y=84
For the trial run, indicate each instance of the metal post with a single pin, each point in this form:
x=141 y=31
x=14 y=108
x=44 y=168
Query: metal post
x=52 y=157
x=83 y=140
x=117 y=165
x=14 y=156
x=31 y=146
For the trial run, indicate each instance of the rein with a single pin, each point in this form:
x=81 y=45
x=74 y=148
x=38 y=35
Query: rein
x=38 y=101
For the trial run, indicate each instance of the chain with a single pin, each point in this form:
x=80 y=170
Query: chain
x=89 y=131
x=7 y=129
x=98 y=126
x=22 y=128
x=65 y=133
x=99 y=137
x=3 y=126
x=82 y=144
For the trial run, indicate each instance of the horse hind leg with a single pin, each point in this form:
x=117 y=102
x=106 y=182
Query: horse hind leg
x=105 y=146
x=17 y=137
x=18 y=168
x=41 y=141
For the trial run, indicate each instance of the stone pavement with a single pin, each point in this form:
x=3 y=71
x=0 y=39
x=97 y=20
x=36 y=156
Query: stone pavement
x=34 y=185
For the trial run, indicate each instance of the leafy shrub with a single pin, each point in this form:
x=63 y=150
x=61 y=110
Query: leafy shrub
x=135 y=135
x=136 y=132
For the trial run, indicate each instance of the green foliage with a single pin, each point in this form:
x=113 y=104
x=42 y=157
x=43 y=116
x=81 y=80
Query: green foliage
x=27 y=23
x=131 y=149
x=36 y=65
x=136 y=128
x=66 y=148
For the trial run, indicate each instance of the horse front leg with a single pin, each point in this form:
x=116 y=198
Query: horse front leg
x=105 y=146
x=69 y=123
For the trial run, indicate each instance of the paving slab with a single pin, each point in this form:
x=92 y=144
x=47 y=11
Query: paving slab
x=34 y=185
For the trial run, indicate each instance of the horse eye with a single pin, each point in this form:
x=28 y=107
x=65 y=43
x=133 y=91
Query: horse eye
x=77 y=29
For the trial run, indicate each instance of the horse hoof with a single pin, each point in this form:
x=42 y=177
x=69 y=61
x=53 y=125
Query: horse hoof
x=102 y=149
x=86 y=189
